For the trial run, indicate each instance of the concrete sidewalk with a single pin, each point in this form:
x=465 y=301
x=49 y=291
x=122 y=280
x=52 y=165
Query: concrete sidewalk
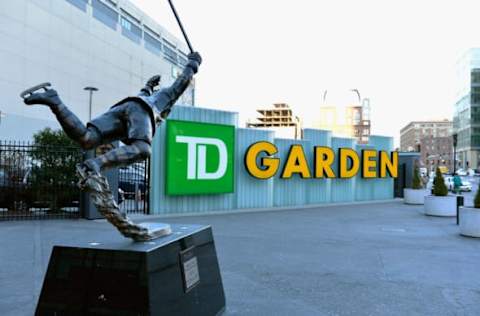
x=377 y=259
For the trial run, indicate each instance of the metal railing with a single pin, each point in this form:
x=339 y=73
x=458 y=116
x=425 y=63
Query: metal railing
x=38 y=182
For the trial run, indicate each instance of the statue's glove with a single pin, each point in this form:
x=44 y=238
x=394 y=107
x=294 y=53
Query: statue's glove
x=194 y=61
x=153 y=82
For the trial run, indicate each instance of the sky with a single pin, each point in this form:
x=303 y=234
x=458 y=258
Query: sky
x=400 y=54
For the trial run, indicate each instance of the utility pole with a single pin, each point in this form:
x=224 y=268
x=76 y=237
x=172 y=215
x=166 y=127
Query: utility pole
x=90 y=90
x=455 y=136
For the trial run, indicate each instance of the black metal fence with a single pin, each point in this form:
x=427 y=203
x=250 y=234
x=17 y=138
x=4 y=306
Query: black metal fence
x=38 y=181
x=133 y=184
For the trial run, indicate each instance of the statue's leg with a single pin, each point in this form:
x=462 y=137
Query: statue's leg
x=87 y=137
x=122 y=156
x=131 y=123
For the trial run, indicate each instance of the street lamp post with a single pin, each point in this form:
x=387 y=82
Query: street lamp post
x=455 y=136
x=90 y=90
x=2 y=114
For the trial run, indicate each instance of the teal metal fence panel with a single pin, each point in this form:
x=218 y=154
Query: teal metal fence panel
x=364 y=188
x=318 y=190
x=292 y=191
x=160 y=203
x=251 y=192
x=342 y=190
x=383 y=187
x=255 y=193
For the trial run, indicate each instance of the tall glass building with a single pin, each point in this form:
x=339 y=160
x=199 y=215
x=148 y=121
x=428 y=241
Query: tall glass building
x=107 y=44
x=466 y=119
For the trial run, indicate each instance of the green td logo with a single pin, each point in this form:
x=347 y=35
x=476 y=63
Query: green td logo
x=199 y=158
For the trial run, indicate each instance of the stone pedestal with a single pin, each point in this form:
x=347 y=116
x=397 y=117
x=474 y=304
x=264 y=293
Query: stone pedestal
x=174 y=275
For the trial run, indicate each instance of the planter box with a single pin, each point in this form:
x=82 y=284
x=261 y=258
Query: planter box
x=414 y=196
x=441 y=205
x=469 y=221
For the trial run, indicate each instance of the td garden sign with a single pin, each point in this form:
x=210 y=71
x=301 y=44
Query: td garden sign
x=200 y=160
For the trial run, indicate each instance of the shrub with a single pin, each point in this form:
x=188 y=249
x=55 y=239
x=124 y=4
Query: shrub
x=439 y=187
x=417 y=182
x=476 y=201
x=53 y=179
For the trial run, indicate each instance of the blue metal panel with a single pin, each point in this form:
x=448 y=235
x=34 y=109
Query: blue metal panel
x=251 y=192
x=160 y=203
x=383 y=187
x=255 y=193
x=318 y=190
x=342 y=190
x=291 y=191
x=364 y=188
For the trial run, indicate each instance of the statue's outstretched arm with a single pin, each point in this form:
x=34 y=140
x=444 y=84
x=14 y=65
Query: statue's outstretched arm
x=181 y=83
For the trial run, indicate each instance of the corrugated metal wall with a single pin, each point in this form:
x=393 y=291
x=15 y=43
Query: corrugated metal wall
x=160 y=203
x=275 y=192
x=383 y=188
x=319 y=190
x=251 y=192
x=293 y=191
x=343 y=190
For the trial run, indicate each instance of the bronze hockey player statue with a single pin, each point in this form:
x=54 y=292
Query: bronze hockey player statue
x=132 y=121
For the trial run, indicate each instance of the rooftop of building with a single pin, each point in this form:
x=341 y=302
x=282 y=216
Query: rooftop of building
x=126 y=7
x=278 y=109
x=444 y=121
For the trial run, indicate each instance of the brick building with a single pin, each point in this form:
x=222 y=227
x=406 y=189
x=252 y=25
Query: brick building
x=433 y=139
x=437 y=151
x=412 y=134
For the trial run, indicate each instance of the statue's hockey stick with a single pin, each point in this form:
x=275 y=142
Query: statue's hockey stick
x=181 y=26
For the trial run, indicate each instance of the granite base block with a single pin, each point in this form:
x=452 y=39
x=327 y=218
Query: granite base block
x=174 y=275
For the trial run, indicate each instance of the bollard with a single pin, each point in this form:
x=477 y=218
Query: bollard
x=460 y=202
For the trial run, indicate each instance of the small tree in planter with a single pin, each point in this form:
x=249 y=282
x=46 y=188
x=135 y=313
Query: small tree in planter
x=469 y=218
x=440 y=203
x=415 y=195
x=417 y=182
x=439 y=187
x=476 y=201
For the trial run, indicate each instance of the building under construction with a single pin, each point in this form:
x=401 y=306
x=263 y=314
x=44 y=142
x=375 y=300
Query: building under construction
x=279 y=118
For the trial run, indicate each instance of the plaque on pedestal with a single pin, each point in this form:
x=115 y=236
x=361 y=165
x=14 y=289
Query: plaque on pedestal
x=173 y=275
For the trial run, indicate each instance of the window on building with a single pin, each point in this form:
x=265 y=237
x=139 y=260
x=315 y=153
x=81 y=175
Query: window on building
x=476 y=76
x=475 y=95
x=131 y=30
x=475 y=115
x=105 y=14
x=182 y=59
x=476 y=141
x=169 y=51
x=356 y=117
x=152 y=43
x=81 y=4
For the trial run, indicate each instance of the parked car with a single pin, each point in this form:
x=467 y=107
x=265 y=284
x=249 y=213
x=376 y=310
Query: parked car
x=423 y=171
x=7 y=199
x=466 y=186
x=462 y=172
x=14 y=192
x=132 y=179
x=443 y=169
